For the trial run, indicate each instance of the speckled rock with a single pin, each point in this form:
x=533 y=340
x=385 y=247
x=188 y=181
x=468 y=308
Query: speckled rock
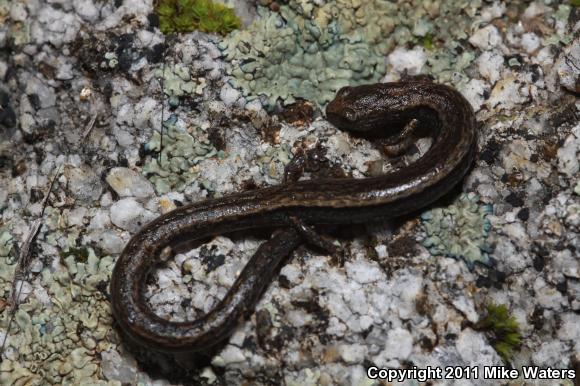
x=568 y=65
x=128 y=183
x=140 y=124
x=83 y=183
x=128 y=214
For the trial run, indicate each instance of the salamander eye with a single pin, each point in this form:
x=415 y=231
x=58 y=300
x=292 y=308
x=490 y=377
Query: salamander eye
x=350 y=114
x=344 y=92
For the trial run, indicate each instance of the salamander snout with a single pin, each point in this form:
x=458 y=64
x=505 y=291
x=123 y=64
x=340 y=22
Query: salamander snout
x=339 y=115
x=338 y=111
x=344 y=92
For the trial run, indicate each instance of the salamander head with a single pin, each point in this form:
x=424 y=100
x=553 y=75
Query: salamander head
x=339 y=111
x=363 y=108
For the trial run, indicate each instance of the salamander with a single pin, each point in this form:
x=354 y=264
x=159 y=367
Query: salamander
x=395 y=109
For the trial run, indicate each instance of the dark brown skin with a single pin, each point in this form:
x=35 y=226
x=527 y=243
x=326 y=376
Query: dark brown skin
x=293 y=207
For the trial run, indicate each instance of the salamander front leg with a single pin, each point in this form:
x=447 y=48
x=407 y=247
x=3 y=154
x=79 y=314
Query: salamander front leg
x=401 y=143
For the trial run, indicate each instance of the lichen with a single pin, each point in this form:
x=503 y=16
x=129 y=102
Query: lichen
x=274 y=160
x=19 y=31
x=4 y=10
x=5 y=243
x=286 y=56
x=195 y=15
x=459 y=231
x=177 y=82
x=502 y=330
x=309 y=51
x=111 y=60
x=56 y=335
x=172 y=170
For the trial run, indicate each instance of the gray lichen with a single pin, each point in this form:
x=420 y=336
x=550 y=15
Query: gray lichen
x=308 y=50
x=58 y=333
x=177 y=82
x=174 y=169
x=459 y=231
x=5 y=243
x=287 y=56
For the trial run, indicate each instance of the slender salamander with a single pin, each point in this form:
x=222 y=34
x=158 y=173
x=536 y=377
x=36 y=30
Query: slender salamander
x=394 y=108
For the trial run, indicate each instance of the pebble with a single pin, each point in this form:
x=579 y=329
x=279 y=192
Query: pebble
x=353 y=353
x=474 y=92
x=77 y=215
x=129 y=215
x=363 y=272
x=100 y=220
x=18 y=12
x=118 y=368
x=87 y=10
x=45 y=94
x=474 y=349
x=231 y=354
x=128 y=183
x=111 y=242
x=412 y=61
x=83 y=183
x=229 y=95
x=569 y=154
x=399 y=344
x=530 y=42
x=486 y=38
x=491 y=65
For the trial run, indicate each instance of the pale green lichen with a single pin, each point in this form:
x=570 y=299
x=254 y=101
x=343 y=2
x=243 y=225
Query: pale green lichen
x=7 y=270
x=173 y=169
x=111 y=60
x=5 y=243
x=459 y=231
x=309 y=51
x=177 y=82
x=57 y=340
x=18 y=31
x=285 y=56
x=561 y=16
x=274 y=160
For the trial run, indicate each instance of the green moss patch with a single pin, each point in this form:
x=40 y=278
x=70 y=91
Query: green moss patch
x=195 y=15
x=503 y=330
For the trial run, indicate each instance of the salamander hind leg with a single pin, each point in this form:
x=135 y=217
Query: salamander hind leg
x=317 y=240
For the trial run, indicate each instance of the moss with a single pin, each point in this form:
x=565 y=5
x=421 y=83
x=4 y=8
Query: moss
x=80 y=255
x=502 y=329
x=195 y=15
x=428 y=42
